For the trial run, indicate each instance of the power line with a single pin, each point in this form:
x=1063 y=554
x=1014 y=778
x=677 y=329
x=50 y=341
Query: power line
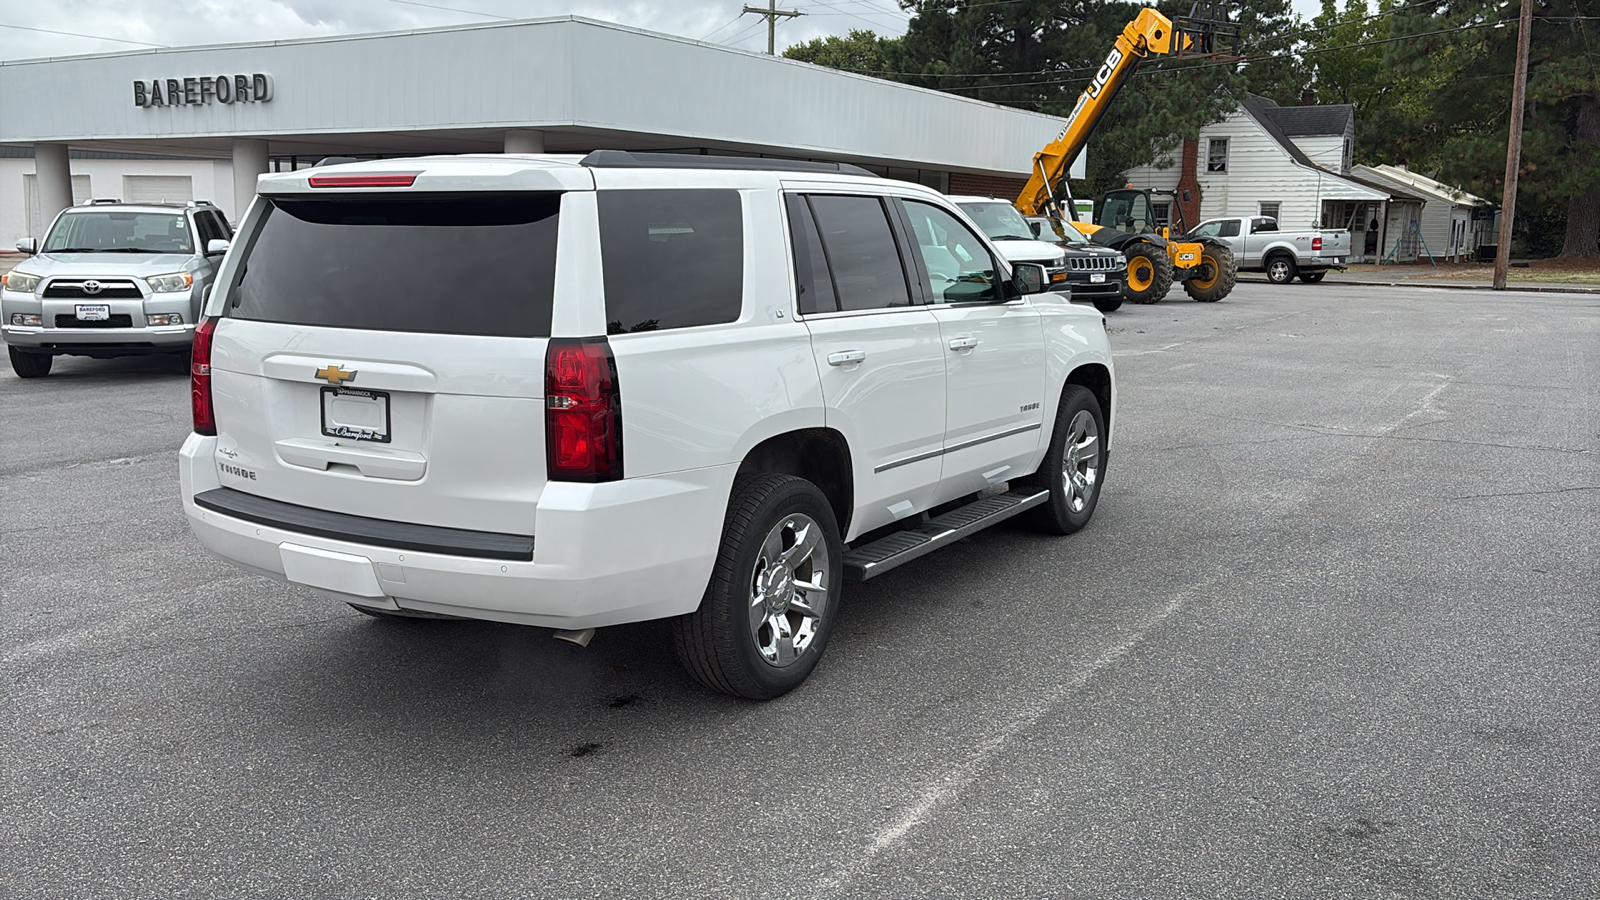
x=78 y=34
x=470 y=12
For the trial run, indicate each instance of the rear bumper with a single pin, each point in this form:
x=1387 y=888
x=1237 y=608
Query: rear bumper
x=625 y=551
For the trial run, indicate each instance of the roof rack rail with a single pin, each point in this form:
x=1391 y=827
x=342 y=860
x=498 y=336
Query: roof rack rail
x=101 y=201
x=334 y=161
x=201 y=203
x=626 y=159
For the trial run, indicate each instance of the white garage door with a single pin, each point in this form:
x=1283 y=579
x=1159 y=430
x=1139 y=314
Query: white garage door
x=30 y=189
x=157 y=189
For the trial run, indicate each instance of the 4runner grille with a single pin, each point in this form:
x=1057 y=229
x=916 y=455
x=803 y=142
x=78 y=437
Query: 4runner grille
x=109 y=290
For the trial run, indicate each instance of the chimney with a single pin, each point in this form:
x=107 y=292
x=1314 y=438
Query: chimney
x=1189 y=184
x=1308 y=97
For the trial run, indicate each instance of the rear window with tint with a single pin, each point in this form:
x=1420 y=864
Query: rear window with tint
x=475 y=264
x=673 y=258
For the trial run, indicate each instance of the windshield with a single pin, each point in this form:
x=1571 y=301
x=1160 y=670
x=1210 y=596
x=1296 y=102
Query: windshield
x=1070 y=234
x=119 y=231
x=999 y=220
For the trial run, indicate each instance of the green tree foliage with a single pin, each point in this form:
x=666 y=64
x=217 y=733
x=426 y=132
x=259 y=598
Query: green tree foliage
x=861 y=51
x=1461 y=56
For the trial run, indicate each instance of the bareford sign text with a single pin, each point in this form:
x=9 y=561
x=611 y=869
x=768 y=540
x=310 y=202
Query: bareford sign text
x=255 y=88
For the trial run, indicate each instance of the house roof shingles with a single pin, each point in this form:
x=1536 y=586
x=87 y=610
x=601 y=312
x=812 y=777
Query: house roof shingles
x=1299 y=121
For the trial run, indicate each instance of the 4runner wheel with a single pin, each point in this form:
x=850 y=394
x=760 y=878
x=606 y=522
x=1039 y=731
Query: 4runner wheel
x=1312 y=277
x=1218 y=270
x=1281 y=269
x=774 y=592
x=1108 y=304
x=30 y=365
x=1149 y=273
x=1074 y=466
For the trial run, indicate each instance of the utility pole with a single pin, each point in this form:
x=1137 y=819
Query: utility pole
x=1519 y=91
x=772 y=14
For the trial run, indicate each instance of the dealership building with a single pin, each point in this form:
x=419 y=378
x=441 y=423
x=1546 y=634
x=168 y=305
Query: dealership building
x=201 y=123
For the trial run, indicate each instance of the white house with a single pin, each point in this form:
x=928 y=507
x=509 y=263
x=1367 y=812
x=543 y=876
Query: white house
x=1453 y=223
x=1289 y=162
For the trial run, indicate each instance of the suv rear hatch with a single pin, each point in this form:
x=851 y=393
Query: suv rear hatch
x=383 y=355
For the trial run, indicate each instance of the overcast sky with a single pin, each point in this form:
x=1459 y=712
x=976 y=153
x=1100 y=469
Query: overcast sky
x=71 y=27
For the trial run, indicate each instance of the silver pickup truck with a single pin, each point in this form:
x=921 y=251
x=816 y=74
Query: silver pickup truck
x=1260 y=247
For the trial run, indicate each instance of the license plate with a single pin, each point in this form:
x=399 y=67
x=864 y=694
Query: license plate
x=93 y=312
x=1097 y=278
x=355 y=415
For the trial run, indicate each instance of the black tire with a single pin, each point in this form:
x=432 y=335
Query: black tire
x=1108 y=304
x=1312 y=277
x=719 y=644
x=1072 y=499
x=1281 y=268
x=30 y=365
x=1149 y=273
x=1218 y=272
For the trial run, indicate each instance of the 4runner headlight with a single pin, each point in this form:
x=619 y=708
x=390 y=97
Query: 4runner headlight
x=166 y=284
x=21 y=282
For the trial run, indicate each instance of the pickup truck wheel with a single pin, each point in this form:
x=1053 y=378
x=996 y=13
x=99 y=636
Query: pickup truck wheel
x=1312 y=277
x=1149 y=273
x=1281 y=269
x=30 y=365
x=1218 y=271
x=774 y=592
x=1074 y=467
x=1108 y=304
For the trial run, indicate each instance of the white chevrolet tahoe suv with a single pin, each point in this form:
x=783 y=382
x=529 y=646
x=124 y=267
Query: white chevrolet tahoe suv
x=574 y=393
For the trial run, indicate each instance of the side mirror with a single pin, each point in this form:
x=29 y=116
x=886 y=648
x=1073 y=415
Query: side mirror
x=1036 y=227
x=28 y=245
x=1030 y=278
x=216 y=246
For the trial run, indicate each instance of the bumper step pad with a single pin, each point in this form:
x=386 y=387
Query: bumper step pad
x=883 y=554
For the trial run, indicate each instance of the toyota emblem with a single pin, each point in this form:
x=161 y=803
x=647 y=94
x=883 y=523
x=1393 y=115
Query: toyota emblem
x=92 y=287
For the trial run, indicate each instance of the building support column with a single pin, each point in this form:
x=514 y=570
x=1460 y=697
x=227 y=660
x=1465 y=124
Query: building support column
x=524 y=140
x=53 y=180
x=249 y=163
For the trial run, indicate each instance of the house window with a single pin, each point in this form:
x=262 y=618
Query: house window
x=1162 y=213
x=1217 y=155
x=1270 y=209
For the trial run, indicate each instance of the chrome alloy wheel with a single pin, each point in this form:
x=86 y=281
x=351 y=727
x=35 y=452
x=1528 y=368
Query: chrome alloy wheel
x=1080 y=464
x=1278 y=271
x=788 y=590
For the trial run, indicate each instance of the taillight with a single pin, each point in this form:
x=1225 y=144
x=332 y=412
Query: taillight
x=583 y=411
x=200 y=378
x=1316 y=243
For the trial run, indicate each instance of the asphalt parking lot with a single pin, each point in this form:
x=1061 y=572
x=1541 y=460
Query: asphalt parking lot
x=1334 y=632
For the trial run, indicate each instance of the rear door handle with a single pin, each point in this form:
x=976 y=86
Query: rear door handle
x=845 y=357
x=963 y=343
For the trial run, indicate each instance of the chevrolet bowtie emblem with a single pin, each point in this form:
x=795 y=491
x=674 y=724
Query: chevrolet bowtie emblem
x=335 y=375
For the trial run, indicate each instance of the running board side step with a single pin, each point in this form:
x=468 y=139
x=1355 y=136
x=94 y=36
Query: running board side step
x=883 y=554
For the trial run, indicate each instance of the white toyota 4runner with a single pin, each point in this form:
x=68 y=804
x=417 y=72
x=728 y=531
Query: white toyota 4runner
x=574 y=393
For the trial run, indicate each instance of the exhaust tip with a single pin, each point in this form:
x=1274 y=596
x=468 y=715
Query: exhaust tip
x=581 y=638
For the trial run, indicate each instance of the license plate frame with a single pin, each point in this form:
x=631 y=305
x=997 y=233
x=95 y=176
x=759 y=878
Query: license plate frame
x=356 y=422
x=1097 y=278
x=92 y=312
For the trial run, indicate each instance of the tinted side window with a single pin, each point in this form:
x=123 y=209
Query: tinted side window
x=958 y=265
x=208 y=230
x=1229 y=228
x=480 y=264
x=673 y=258
x=862 y=253
x=813 y=284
